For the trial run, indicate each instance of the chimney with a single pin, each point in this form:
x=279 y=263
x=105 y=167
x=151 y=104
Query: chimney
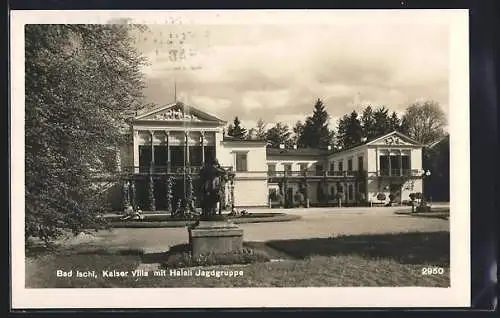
x=282 y=146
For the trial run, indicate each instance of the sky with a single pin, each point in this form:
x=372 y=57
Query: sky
x=277 y=71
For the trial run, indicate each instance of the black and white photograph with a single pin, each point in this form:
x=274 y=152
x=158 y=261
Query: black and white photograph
x=194 y=158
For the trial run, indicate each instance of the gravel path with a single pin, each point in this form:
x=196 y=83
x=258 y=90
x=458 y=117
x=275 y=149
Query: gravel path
x=313 y=223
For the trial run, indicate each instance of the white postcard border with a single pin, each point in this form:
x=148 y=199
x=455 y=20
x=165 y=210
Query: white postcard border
x=458 y=295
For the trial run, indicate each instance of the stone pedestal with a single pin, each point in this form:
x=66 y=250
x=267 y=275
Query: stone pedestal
x=215 y=237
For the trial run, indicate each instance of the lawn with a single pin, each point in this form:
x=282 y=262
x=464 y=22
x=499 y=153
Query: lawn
x=358 y=260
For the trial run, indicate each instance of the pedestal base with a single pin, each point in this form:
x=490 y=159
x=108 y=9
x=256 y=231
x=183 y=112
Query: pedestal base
x=215 y=237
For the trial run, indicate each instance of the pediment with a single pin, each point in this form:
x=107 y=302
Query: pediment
x=178 y=112
x=394 y=139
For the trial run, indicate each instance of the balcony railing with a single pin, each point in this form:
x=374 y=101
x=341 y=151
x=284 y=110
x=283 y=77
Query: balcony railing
x=399 y=173
x=340 y=174
x=315 y=173
x=165 y=169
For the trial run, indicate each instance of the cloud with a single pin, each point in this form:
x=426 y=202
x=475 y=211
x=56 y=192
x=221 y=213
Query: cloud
x=276 y=72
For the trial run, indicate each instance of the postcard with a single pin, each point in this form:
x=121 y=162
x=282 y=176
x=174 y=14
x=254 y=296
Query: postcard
x=251 y=158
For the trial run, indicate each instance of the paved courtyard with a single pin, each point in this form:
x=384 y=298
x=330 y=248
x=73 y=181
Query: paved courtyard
x=314 y=223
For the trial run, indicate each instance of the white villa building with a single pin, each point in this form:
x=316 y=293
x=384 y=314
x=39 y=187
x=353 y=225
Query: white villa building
x=176 y=140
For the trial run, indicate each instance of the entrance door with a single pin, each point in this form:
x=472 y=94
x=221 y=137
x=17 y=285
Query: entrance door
x=144 y=158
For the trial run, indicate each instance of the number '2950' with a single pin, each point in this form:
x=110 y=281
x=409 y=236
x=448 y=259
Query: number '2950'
x=432 y=271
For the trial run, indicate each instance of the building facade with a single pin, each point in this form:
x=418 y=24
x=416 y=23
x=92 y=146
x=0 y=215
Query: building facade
x=169 y=145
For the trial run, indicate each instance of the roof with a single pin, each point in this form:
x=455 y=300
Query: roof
x=437 y=142
x=296 y=152
x=228 y=138
x=162 y=113
x=377 y=138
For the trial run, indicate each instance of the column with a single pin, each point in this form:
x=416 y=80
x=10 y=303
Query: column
x=390 y=167
x=136 y=151
x=152 y=151
x=167 y=136
x=401 y=162
x=125 y=194
x=186 y=135
x=202 y=139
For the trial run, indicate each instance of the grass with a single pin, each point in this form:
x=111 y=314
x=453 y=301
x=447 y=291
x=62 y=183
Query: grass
x=360 y=260
x=318 y=271
x=425 y=248
x=41 y=271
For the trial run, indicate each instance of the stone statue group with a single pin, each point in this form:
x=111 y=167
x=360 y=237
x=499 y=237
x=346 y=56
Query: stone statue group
x=212 y=181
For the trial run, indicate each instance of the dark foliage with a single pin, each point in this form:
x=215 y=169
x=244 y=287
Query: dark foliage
x=81 y=82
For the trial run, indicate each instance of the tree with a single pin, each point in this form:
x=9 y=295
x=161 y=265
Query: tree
x=80 y=82
x=368 y=123
x=298 y=130
x=261 y=129
x=236 y=130
x=382 y=120
x=350 y=130
x=315 y=133
x=279 y=134
x=424 y=122
x=395 y=122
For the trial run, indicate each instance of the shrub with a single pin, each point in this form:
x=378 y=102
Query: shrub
x=391 y=197
x=381 y=196
x=279 y=199
x=412 y=196
x=423 y=208
x=299 y=198
x=215 y=217
x=418 y=195
x=182 y=257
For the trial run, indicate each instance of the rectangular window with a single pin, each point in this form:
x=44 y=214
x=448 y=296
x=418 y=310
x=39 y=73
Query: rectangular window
x=332 y=166
x=405 y=161
x=303 y=167
x=349 y=165
x=241 y=162
x=384 y=165
x=287 y=167
x=395 y=165
x=271 y=169
x=144 y=158
x=360 y=163
x=341 y=166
